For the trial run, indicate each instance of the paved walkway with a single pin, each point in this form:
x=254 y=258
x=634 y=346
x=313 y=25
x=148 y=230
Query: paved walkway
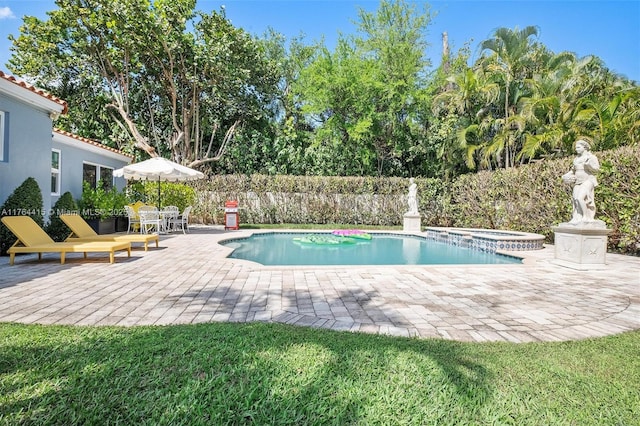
x=189 y=280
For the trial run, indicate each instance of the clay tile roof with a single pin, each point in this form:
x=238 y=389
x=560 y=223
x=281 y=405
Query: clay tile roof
x=34 y=89
x=91 y=142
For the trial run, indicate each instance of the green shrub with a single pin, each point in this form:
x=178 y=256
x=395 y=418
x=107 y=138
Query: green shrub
x=56 y=228
x=134 y=191
x=26 y=200
x=100 y=202
x=171 y=194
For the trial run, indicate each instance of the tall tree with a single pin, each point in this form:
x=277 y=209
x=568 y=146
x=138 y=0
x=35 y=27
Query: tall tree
x=177 y=82
x=395 y=38
x=364 y=94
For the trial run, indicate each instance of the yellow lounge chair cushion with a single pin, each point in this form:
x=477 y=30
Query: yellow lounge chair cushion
x=83 y=247
x=124 y=238
x=33 y=239
x=81 y=231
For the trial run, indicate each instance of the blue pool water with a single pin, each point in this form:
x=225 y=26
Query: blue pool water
x=383 y=249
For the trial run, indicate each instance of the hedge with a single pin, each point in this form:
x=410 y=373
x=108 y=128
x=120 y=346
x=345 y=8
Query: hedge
x=314 y=199
x=530 y=198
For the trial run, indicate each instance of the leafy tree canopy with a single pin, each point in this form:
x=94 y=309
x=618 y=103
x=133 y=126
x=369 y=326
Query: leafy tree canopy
x=161 y=78
x=157 y=76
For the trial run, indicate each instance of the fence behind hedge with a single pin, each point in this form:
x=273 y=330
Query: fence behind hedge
x=529 y=198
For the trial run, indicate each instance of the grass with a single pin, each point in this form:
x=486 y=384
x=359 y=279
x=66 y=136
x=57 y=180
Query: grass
x=273 y=374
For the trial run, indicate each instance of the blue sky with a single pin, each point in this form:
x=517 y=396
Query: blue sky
x=609 y=29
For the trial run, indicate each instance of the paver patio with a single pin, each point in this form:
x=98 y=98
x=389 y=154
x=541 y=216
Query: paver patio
x=190 y=280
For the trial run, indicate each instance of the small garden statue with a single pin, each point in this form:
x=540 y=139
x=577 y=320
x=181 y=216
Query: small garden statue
x=583 y=178
x=412 y=198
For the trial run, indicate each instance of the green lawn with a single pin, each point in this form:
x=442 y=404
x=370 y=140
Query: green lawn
x=272 y=374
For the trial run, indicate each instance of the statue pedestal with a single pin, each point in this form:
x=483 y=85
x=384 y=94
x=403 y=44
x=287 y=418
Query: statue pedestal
x=412 y=222
x=581 y=246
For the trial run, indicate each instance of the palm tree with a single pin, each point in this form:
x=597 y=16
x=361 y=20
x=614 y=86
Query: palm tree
x=470 y=90
x=549 y=108
x=630 y=118
x=470 y=97
x=603 y=112
x=509 y=58
x=571 y=97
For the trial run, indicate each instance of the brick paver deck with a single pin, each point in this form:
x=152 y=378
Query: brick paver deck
x=190 y=280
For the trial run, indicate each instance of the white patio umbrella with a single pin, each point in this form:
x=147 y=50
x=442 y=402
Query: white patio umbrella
x=158 y=169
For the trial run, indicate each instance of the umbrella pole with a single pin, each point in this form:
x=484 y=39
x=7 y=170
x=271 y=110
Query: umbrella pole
x=159 y=193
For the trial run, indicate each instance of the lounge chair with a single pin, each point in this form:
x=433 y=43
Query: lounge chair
x=81 y=231
x=33 y=239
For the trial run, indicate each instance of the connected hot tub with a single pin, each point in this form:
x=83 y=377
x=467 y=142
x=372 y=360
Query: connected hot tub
x=487 y=239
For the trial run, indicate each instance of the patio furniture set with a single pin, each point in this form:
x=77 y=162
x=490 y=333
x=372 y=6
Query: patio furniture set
x=149 y=219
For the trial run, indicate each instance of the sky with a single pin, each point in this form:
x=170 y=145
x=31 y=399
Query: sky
x=609 y=29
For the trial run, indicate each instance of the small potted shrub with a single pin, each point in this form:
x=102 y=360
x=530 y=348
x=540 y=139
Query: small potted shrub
x=101 y=207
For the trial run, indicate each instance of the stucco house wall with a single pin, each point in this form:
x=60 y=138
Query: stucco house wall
x=28 y=122
x=76 y=151
x=28 y=138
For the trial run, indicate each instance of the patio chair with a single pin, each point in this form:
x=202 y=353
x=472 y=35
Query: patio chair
x=181 y=221
x=81 y=231
x=134 y=219
x=32 y=239
x=150 y=220
x=167 y=214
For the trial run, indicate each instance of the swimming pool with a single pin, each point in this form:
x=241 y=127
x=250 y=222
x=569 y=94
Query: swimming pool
x=279 y=248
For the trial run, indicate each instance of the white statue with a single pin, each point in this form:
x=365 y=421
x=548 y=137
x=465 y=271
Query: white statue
x=412 y=198
x=583 y=178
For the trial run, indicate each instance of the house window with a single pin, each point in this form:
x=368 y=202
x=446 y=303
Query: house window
x=55 y=172
x=94 y=173
x=106 y=177
x=90 y=174
x=2 y=136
